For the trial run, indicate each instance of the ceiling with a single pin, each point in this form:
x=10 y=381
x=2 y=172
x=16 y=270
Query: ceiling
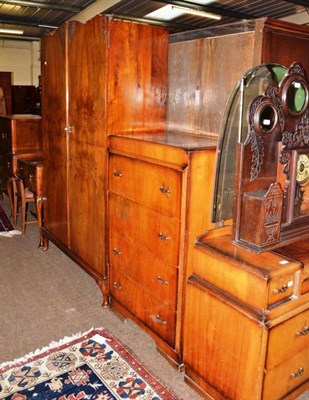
x=37 y=18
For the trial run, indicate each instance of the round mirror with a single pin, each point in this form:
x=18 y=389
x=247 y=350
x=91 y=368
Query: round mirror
x=296 y=98
x=265 y=119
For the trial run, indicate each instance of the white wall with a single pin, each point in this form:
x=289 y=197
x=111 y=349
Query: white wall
x=22 y=58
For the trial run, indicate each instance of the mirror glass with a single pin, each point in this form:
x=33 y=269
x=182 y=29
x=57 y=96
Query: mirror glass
x=296 y=97
x=234 y=130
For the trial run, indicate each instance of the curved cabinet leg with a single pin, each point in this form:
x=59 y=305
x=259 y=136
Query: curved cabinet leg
x=39 y=207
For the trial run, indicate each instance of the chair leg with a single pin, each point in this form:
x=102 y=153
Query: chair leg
x=23 y=218
x=11 y=196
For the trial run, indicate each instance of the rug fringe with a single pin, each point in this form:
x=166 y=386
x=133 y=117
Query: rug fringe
x=51 y=345
x=10 y=233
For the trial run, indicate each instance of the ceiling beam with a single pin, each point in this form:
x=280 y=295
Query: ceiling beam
x=39 y=4
x=40 y=24
x=216 y=10
x=303 y=3
x=97 y=7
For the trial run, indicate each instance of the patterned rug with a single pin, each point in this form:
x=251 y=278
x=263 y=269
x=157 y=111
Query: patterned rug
x=6 y=228
x=94 y=365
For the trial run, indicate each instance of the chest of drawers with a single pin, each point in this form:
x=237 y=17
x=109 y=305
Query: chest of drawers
x=250 y=315
x=153 y=183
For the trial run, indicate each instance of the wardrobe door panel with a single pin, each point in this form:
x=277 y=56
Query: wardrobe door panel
x=54 y=133
x=87 y=142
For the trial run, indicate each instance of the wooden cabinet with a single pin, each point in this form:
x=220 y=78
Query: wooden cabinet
x=19 y=135
x=153 y=187
x=246 y=331
x=91 y=78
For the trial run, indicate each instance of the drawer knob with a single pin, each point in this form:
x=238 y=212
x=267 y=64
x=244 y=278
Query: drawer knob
x=160 y=320
x=163 y=237
x=297 y=374
x=117 y=286
x=304 y=332
x=164 y=190
x=283 y=289
x=116 y=252
x=117 y=173
x=162 y=281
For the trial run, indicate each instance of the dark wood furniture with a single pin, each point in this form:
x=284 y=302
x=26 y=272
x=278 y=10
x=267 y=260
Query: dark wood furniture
x=19 y=135
x=6 y=84
x=154 y=188
x=115 y=76
x=23 y=99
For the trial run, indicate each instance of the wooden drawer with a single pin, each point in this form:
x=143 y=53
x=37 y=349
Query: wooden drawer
x=154 y=186
x=5 y=137
x=281 y=287
x=288 y=338
x=154 y=314
x=158 y=233
x=143 y=267
x=287 y=376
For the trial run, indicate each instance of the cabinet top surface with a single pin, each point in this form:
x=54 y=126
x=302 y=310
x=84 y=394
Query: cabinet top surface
x=185 y=141
x=21 y=117
x=267 y=263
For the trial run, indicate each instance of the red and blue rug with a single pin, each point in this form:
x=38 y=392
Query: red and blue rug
x=94 y=365
x=6 y=228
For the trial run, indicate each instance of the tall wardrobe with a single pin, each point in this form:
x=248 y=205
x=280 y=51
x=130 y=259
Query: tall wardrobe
x=92 y=75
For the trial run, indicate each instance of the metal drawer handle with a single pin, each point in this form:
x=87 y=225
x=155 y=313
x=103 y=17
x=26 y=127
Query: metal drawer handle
x=31 y=177
x=304 y=332
x=162 y=281
x=117 y=286
x=116 y=252
x=164 y=190
x=283 y=289
x=163 y=237
x=160 y=320
x=117 y=173
x=297 y=374
x=3 y=135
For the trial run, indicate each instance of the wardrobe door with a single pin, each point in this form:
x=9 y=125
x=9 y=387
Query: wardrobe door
x=87 y=143
x=54 y=124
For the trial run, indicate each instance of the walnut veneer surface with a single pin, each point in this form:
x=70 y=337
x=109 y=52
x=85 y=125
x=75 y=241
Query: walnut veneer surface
x=154 y=184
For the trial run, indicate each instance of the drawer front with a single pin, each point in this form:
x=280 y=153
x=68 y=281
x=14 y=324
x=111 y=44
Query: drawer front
x=151 y=185
x=158 y=233
x=5 y=170
x=287 y=339
x=5 y=137
x=287 y=376
x=144 y=268
x=154 y=314
x=281 y=288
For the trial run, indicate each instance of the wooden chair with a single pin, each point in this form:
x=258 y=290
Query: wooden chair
x=22 y=197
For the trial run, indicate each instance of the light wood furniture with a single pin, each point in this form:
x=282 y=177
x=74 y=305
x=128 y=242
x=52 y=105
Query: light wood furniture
x=20 y=134
x=247 y=321
x=30 y=169
x=114 y=74
x=154 y=188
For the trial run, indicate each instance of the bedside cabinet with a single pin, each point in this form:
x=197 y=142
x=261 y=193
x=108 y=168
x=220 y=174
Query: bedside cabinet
x=152 y=187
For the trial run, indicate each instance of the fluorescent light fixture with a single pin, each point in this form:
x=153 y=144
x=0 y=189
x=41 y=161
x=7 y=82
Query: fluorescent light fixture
x=169 y=12
x=198 y=13
x=11 y=31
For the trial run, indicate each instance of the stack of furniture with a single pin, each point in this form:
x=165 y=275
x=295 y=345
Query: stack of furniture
x=131 y=123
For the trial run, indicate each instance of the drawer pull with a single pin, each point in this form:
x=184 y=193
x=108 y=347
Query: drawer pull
x=117 y=173
x=164 y=190
x=31 y=177
x=3 y=135
x=162 y=281
x=163 y=237
x=297 y=374
x=283 y=289
x=160 y=320
x=116 y=252
x=304 y=332
x=117 y=286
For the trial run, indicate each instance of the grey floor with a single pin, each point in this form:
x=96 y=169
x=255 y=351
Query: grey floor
x=44 y=296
